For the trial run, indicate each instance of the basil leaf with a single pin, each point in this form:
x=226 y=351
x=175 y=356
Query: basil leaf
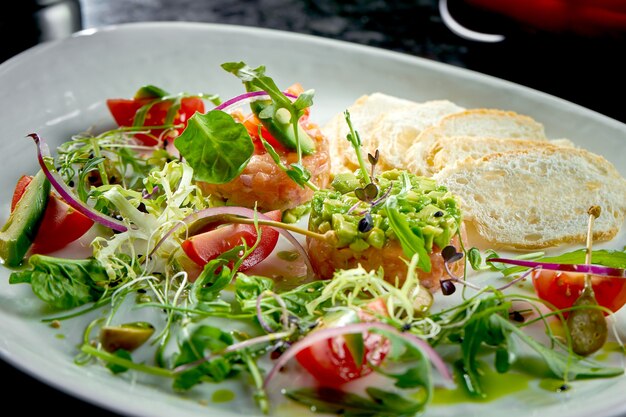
x=63 y=283
x=215 y=146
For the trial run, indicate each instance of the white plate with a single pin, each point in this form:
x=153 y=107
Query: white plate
x=59 y=89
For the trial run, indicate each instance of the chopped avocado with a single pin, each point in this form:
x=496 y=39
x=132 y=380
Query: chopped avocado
x=346 y=230
x=345 y=182
x=18 y=233
x=431 y=211
x=279 y=126
x=150 y=91
x=294 y=214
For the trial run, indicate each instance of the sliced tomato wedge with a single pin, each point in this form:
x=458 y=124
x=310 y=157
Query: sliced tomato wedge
x=20 y=187
x=60 y=225
x=332 y=363
x=124 y=110
x=206 y=246
x=562 y=289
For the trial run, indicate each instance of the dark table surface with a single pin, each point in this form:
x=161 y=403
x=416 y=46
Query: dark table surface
x=589 y=71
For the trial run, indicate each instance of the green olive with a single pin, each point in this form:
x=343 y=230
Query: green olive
x=127 y=336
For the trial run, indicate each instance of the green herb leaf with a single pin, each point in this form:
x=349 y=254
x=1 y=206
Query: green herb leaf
x=214 y=278
x=299 y=174
x=411 y=240
x=474 y=258
x=118 y=369
x=562 y=364
x=215 y=146
x=63 y=283
x=290 y=134
x=379 y=404
x=249 y=287
x=203 y=341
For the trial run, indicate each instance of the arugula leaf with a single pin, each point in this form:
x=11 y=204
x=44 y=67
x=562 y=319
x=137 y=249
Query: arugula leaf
x=286 y=130
x=296 y=171
x=214 y=278
x=411 y=240
x=563 y=365
x=63 y=283
x=203 y=340
x=380 y=403
x=249 y=287
x=215 y=146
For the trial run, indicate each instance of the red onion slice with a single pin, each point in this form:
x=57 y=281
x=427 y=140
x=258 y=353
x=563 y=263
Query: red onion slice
x=235 y=211
x=328 y=333
x=582 y=268
x=242 y=99
x=66 y=192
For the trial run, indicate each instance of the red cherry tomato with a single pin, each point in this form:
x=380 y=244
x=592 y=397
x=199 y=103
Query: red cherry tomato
x=124 y=110
x=204 y=247
x=332 y=364
x=60 y=225
x=562 y=289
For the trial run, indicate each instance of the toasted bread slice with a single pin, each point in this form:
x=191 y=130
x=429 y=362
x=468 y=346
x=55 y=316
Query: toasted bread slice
x=538 y=197
x=383 y=122
x=489 y=123
x=448 y=150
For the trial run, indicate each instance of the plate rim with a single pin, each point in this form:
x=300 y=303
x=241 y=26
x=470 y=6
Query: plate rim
x=75 y=389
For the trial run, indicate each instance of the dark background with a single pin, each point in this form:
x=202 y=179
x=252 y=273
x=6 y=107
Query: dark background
x=587 y=70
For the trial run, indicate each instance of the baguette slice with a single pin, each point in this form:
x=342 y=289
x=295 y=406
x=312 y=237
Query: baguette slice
x=538 y=197
x=491 y=123
x=383 y=122
x=395 y=131
x=449 y=150
x=364 y=112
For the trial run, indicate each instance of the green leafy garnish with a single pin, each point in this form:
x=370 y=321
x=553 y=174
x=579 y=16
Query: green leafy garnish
x=379 y=403
x=215 y=146
x=411 y=239
x=63 y=283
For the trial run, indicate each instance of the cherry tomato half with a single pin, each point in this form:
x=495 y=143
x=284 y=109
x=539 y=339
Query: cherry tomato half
x=124 y=110
x=332 y=363
x=562 y=289
x=60 y=225
x=206 y=246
